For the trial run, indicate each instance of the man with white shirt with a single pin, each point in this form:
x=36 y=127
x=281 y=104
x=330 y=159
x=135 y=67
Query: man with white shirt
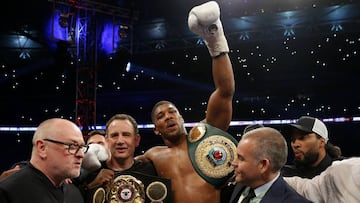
x=261 y=153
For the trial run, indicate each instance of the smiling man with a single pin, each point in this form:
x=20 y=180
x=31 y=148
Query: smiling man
x=261 y=153
x=121 y=172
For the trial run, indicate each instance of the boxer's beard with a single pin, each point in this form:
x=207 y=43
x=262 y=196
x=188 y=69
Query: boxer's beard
x=309 y=159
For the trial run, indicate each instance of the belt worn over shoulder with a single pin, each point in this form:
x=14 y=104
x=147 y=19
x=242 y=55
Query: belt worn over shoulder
x=211 y=152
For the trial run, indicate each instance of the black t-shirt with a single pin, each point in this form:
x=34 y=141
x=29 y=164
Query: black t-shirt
x=138 y=166
x=31 y=185
x=143 y=171
x=307 y=172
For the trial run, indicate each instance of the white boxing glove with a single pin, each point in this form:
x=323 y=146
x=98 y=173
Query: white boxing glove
x=204 y=20
x=92 y=158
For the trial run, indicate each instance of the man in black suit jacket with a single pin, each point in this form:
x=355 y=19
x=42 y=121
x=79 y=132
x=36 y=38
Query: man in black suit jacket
x=261 y=153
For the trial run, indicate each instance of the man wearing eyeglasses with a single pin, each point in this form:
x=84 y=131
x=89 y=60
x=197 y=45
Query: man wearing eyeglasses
x=57 y=153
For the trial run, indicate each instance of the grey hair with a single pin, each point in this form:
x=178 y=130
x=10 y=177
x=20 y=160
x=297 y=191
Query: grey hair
x=269 y=144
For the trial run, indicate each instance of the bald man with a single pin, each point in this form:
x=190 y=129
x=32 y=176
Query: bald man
x=57 y=153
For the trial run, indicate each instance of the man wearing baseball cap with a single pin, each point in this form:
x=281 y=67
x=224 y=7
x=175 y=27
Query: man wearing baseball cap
x=310 y=143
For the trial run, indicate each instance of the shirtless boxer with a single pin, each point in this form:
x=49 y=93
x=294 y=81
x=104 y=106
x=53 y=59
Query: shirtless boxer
x=173 y=161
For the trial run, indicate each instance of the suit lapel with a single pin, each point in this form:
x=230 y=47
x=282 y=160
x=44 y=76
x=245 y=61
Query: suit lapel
x=276 y=192
x=236 y=193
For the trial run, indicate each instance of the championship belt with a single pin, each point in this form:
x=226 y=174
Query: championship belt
x=126 y=189
x=134 y=187
x=211 y=152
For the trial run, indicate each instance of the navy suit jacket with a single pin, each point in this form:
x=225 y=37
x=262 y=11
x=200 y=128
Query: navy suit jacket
x=279 y=191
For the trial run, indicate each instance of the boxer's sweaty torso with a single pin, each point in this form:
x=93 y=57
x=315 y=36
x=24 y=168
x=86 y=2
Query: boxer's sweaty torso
x=174 y=163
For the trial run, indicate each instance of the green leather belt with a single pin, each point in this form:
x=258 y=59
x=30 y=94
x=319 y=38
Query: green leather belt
x=211 y=152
